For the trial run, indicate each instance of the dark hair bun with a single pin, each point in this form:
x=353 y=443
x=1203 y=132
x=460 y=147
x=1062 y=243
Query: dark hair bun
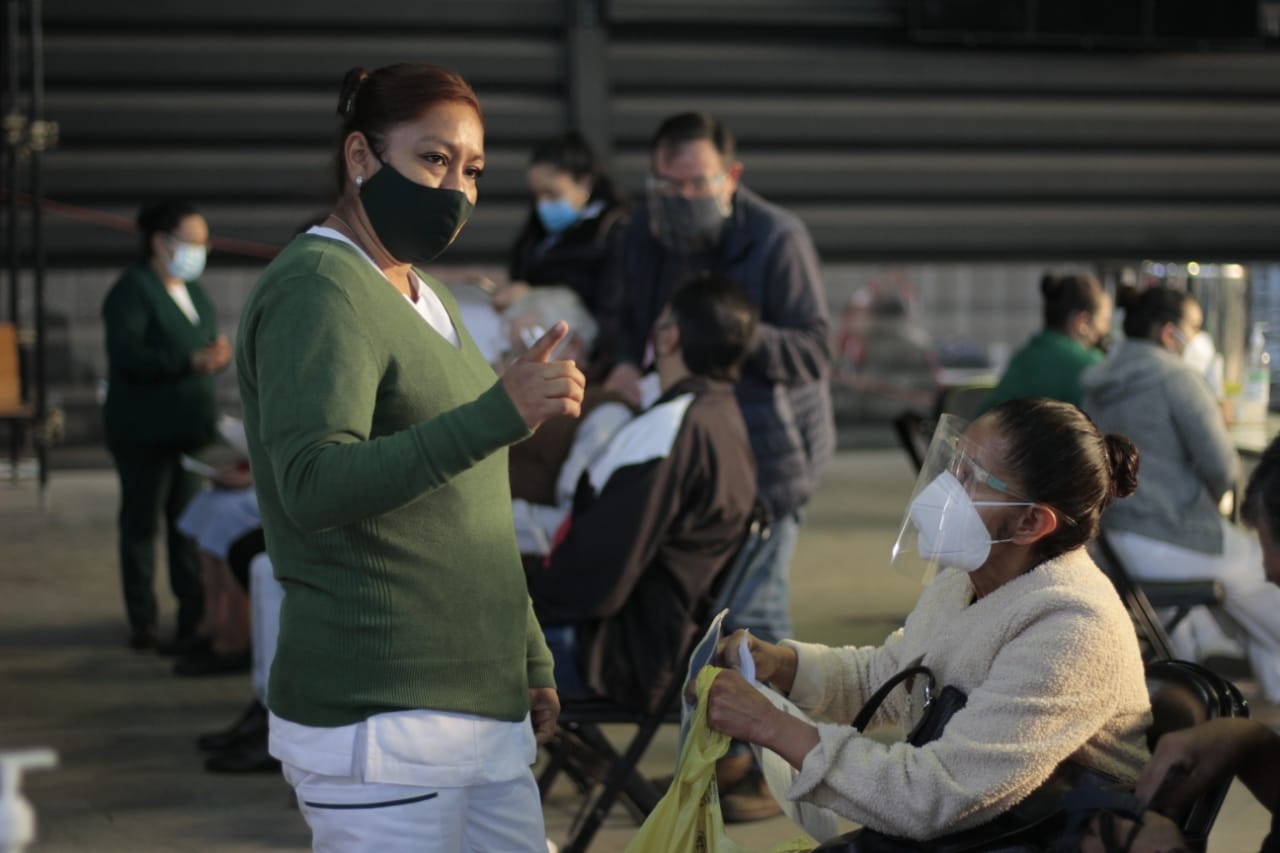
x=349 y=89
x=1122 y=459
x=1128 y=298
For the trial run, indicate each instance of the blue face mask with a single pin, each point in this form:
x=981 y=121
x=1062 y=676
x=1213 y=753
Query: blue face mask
x=557 y=214
x=187 y=262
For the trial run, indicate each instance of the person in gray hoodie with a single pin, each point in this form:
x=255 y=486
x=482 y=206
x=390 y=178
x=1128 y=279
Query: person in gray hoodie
x=1171 y=529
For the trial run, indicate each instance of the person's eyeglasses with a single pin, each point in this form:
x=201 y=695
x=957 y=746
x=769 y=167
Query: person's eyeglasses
x=969 y=472
x=699 y=186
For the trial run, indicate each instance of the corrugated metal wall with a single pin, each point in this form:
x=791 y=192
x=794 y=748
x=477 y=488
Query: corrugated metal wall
x=888 y=150
x=232 y=104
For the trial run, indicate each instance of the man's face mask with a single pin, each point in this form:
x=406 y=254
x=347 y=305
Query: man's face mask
x=414 y=222
x=688 y=223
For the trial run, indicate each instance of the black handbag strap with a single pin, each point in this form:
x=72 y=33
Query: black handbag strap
x=873 y=704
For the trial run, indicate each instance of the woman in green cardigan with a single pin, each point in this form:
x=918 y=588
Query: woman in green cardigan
x=163 y=348
x=411 y=680
x=1077 y=325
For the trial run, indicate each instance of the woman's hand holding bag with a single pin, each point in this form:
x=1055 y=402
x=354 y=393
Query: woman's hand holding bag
x=688 y=817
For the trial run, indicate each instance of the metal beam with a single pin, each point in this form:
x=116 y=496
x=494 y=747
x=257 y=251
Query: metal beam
x=587 y=74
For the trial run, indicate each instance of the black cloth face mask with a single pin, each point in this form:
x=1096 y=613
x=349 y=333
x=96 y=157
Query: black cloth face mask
x=414 y=223
x=686 y=226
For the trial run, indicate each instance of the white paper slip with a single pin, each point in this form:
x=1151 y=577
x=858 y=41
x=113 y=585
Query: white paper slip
x=746 y=663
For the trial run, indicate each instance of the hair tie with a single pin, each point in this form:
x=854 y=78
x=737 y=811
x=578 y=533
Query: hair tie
x=348 y=105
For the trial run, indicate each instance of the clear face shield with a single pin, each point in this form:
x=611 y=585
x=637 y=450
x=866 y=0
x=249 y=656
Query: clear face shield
x=942 y=525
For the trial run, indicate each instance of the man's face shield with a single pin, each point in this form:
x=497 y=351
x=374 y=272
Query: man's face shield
x=943 y=525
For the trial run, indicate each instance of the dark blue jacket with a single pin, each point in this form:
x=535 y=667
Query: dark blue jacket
x=784 y=394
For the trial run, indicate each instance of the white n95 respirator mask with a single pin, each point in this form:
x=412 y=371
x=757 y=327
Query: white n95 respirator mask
x=942 y=525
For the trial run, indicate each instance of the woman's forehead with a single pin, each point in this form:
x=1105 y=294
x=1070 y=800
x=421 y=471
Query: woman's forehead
x=983 y=443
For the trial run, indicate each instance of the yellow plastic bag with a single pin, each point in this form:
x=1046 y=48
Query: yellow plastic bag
x=688 y=819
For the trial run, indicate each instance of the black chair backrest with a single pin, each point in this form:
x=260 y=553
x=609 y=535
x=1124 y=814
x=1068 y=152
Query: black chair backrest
x=914 y=432
x=1184 y=694
x=1135 y=600
x=726 y=587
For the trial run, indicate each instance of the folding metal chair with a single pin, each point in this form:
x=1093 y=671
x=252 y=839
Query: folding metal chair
x=581 y=751
x=913 y=431
x=1184 y=694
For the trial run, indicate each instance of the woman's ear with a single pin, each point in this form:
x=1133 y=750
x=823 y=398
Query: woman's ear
x=1035 y=524
x=1081 y=324
x=160 y=245
x=357 y=154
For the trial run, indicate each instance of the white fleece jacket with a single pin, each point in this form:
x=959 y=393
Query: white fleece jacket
x=1051 y=666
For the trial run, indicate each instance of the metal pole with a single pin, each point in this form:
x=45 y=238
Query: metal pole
x=38 y=127
x=587 y=49
x=13 y=46
x=13 y=134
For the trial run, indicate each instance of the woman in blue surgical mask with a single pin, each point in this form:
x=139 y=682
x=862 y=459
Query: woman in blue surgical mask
x=1015 y=615
x=163 y=349
x=573 y=228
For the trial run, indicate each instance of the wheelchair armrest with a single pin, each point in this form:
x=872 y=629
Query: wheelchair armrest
x=1182 y=594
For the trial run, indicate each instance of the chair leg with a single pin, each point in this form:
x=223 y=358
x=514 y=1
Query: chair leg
x=555 y=765
x=1179 y=614
x=638 y=794
x=617 y=781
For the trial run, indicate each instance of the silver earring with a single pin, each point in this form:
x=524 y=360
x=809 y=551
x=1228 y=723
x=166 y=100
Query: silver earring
x=359 y=181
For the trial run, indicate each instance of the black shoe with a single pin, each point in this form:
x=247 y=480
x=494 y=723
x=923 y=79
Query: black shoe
x=142 y=638
x=212 y=663
x=251 y=757
x=251 y=723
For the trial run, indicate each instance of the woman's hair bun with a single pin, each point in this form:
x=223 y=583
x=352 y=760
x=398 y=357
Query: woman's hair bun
x=349 y=89
x=1122 y=459
x=1048 y=284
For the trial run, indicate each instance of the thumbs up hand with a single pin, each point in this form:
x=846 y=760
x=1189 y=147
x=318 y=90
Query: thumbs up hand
x=541 y=388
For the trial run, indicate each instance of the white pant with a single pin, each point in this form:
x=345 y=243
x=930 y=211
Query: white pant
x=349 y=816
x=265 y=597
x=1250 y=603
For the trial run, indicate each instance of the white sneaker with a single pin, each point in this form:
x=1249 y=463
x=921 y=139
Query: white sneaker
x=552 y=847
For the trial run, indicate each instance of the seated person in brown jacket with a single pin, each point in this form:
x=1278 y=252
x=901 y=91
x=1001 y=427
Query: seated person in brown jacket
x=546 y=466
x=659 y=514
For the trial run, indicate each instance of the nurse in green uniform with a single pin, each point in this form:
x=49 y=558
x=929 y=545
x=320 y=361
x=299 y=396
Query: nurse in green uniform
x=163 y=349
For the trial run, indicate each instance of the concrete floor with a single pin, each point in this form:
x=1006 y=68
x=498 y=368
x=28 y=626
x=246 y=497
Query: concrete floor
x=130 y=778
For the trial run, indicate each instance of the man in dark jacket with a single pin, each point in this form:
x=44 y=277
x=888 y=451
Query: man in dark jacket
x=698 y=218
x=658 y=514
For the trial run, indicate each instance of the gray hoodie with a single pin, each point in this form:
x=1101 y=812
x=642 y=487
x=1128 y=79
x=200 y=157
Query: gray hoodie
x=1187 y=458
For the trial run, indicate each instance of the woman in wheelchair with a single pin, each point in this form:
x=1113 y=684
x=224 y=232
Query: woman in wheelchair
x=1016 y=616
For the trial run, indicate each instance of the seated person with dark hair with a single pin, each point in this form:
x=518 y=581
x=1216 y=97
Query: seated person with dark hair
x=545 y=467
x=1077 y=325
x=1206 y=754
x=659 y=514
